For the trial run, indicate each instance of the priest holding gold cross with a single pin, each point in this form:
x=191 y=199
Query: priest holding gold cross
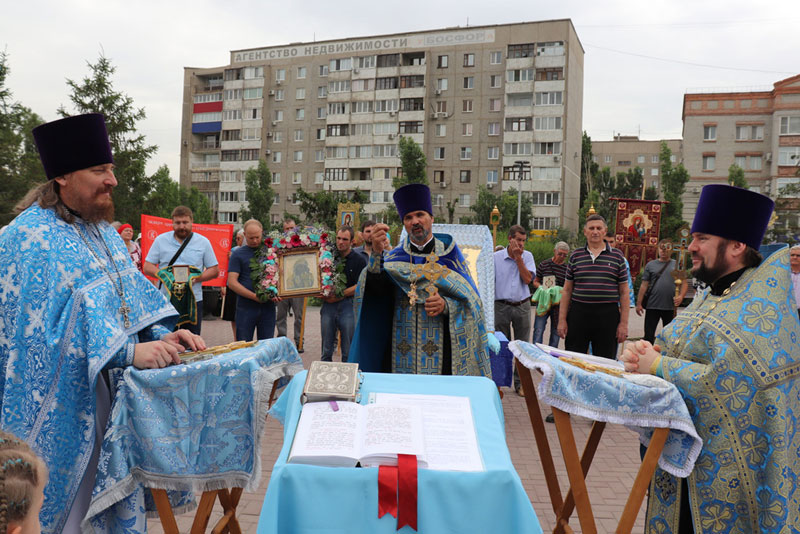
x=417 y=307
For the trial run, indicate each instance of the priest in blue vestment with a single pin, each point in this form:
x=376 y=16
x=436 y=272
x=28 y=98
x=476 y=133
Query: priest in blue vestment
x=734 y=355
x=417 y=308
x=73 y=307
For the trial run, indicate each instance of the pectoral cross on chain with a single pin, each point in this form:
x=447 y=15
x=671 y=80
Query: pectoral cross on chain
x=125 y=310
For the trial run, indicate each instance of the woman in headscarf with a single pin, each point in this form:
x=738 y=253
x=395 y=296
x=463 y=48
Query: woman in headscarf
x=126 y=232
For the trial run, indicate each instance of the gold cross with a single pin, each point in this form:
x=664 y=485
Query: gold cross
x=431 y=271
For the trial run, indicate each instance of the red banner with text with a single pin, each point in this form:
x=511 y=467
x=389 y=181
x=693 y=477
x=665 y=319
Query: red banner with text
x=637 y=229
x=220 y=235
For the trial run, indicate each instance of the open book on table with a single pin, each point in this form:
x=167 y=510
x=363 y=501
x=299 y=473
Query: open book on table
x=438 y=429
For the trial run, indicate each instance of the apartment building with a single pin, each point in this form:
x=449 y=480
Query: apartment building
x=494 y=105
x=758 y=130
x=626 y=152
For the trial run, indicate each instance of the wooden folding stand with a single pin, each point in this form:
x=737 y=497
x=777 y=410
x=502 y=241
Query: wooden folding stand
x=578 y=467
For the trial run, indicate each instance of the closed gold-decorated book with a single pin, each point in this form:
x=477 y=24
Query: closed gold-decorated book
x=331 y=381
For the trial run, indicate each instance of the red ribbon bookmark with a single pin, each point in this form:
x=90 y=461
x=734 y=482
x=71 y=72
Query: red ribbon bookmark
x=397 y=491
x=407 y=494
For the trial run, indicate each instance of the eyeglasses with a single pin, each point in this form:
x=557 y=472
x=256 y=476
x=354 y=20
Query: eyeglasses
x=665 y=247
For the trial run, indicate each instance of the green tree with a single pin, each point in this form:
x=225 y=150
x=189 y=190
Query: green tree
x=507 y=206
x=413 y=163
x=96 y=94
x=260 y=196
x=167 y=194
x=322 y=207
x=673 y=185
x=736 y=176
x=785 y=229
x=588 y=167
x=20 y=168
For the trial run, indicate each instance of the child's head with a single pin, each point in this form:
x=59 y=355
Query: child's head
x=22 y=479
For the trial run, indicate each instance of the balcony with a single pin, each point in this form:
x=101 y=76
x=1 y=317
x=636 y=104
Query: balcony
x=205 y=146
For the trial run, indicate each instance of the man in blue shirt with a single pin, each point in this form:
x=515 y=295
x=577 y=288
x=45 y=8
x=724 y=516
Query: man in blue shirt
x=514 y=269
x=337 y=313
x=251 y=313
x=197 y=253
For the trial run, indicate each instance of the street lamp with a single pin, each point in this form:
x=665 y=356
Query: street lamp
x=521 y=165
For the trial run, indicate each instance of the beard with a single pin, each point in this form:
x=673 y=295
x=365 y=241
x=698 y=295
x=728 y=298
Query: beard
x=97 y=210
x=710 y=273
x=419 y=234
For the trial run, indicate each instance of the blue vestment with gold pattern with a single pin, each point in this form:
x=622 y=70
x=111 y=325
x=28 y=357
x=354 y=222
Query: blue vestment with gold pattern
x=386 y=318
x=739 y=373
x=61 y=327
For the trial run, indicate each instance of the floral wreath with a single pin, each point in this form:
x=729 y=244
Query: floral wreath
x=264 y=265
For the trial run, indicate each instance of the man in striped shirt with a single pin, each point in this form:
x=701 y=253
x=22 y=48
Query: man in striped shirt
x=595 y=300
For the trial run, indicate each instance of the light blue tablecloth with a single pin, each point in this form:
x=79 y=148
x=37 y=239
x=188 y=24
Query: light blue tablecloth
x=614 y=399
x=305 y=499
x=187 y=428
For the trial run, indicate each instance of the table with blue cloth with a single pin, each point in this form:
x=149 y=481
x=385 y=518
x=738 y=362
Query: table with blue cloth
x=187 y=428
x=648 y=405
x=338 y=500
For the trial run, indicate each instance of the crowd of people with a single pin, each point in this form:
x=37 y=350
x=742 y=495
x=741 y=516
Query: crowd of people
x=74 y=305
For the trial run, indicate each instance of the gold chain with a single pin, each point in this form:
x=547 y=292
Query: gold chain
x=685 y=339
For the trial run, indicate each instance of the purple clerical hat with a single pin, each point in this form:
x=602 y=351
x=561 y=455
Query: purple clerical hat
x=413 y=197
x=72 y=144
x=733 y=213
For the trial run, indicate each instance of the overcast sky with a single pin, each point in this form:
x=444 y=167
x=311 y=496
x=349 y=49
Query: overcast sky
x=641 y=56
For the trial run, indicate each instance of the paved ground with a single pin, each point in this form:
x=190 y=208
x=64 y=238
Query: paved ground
x=609 y=481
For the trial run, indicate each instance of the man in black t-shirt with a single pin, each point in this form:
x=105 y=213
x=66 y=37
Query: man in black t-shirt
x=337 y=312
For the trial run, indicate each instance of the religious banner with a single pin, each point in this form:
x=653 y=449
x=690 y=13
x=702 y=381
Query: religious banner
x=637 y=229
x=220 y=235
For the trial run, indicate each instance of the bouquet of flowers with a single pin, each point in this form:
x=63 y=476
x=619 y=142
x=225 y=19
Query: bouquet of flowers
x=264 y=265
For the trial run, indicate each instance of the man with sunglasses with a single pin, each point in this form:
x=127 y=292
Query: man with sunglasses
x=658 y=286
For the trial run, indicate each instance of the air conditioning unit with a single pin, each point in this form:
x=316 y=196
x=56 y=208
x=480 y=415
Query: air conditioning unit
x=769 y=157
x=278 y=82
x=556 y=158
x=274 y=123
x=696 y=190
x=355 y=71
x=268 y=152
x=490 y=185
x=437 y=92
x=272 y=92
x=442 y=114
x=391 y=136
x=434 y=115
x=392 y=113
x=442 y=184
x=269 y=134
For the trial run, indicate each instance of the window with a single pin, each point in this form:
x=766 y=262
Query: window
x=709 y=133
x=233 y=74
x=298 y=156
x=544 y=223
x=251 y=134
x=521 y=50
x=382 y=106
x=442 y=62
x=299 y=114
x=279 y=94
x=549 y=74
x=319 y=177
x=384 y=151
x=441 y=130
x=322 y=112
x=654 y=171
x=673 y=158
x=277 y=137
x=408 y=82
x=790 y=125
x=547 y=173
x=338 y=130
x=297 y=178
x=784 y=182
x=749 y=132
x=491 y=177
x=709 y=163
x=388 y=60
x=469 y=60
x=339 y=86
x=386 y=83
x=298 y=135
x=469 y=82
x=323 y=70
x=338 y=108
x=640 y=159
x=543 y=198
x=438 y=152
x=249 y=154
x=335 y=152
x=495 y=58
x=277 y=199
x=301 y=73
x=228 y=176
x=547 y=148
x=412 y=104
x=466 y=128
x=520 y=124
x=278 y=115
x=520 y=75
x=228 y=216
x=319 y=155
x=320 y=134
x=361 y=129
x=789 y=155
x=276 y=178
x=494 y=128
x=213 y=116
x=463 y=200
x=229 y=196
x=520 y=99
x=555 y=48
x=229 y=135
x=654 y=159
x=380 y=197
x=494 y=104
x=362 y=85
x=280 y=75
x=231 y=115
x=549 y=98
x=384 y=128
x=230 y=94
x=466 y=152
x=755 y=163
x=607 y=159
x=466 y=106
x=345 y=63
x=465 y=177
x=252 y=113
x=547 y=123
x=494 y=81
x=408 y=127
x=362 y=106
x=300 y=93
x=441 y=84
x=516 y=149
x=441 y=106
x=740 y=161
x=366 y=62
x=230 y=155
x=276 y=157
x=493 y=152
x=438 y=176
